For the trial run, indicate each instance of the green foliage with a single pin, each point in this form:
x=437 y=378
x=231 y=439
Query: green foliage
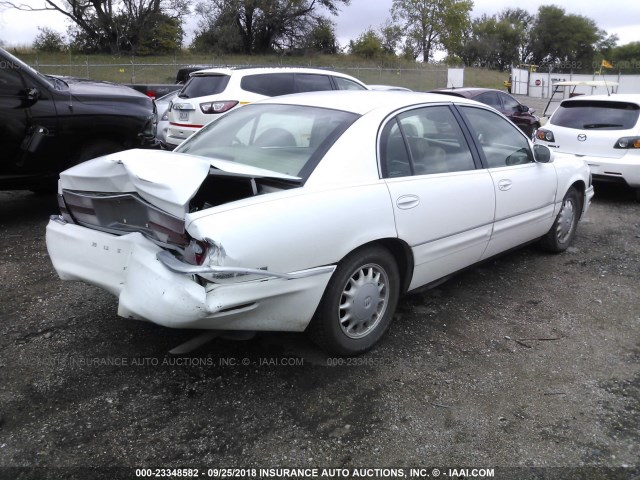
x=563 y=42
x=322 y=38
x=496 y=42
x=625 y=58
x=391 y=37
x=48 y=40
x=367 y=45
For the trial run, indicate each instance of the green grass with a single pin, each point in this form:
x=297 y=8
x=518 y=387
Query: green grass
x=163 y=69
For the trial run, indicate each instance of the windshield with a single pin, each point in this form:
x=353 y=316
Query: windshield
x=287 y=139
x=592 y=115
x=203 y=85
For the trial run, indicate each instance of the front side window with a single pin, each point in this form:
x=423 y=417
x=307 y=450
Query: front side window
x=501 y=142
x=596 y=115
x=424 y=141
x=286 y=139
x=491 y=99
x=510 y=103
x=346 y=84
x=10 y=79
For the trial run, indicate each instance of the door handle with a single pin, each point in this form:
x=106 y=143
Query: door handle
x=405 y=202
x=504 y=184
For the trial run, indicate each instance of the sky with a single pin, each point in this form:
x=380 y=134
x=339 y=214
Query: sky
x=623 y=18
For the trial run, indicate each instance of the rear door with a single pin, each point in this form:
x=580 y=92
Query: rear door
x=443 y=203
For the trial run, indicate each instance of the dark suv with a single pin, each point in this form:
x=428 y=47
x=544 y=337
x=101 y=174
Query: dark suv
x=49 y=123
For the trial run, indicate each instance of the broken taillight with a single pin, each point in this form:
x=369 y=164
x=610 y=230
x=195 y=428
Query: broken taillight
x=196 y=252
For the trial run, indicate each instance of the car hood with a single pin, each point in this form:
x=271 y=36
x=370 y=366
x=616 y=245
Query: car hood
x=91 y=91
x=167 y=180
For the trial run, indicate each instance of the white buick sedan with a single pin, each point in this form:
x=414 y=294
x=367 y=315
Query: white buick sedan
x=312 y=212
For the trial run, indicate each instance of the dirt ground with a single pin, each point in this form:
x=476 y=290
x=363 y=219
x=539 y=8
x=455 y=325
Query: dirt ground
x=530 y=360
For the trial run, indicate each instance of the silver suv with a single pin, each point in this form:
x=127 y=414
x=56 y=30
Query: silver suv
x=212 y=92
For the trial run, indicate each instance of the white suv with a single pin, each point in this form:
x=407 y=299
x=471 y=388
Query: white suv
x=215 y=91
x=604 y=130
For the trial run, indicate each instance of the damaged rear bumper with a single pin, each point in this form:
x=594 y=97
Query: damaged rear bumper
x=149 y=289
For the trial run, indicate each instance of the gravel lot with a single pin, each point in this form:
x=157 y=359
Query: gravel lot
x=530 y=360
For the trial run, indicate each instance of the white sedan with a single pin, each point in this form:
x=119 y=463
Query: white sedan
x=312 y=212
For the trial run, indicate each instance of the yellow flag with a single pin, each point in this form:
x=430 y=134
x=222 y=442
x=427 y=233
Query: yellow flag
x=606 y=64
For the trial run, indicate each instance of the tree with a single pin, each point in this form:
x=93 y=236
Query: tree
x=48 y=40
x=566 y=42
x=322 y=37
x=430 y=25
x=258 y=26
x=116 y=26
x=367 y=45
x=625 y=57
x=391 y=37
x=496 y=42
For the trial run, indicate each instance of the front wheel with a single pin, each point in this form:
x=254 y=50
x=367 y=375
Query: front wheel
x=563 y=230
x=358 y=304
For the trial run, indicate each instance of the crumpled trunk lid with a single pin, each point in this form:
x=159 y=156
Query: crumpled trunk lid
x=167 y=180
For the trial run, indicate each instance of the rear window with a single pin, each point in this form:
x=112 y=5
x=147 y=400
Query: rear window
x=204 y=85
x=592 y=115
x=287 y=139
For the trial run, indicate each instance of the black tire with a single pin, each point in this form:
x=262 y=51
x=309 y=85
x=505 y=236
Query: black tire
x=97 y=148
x=563 y=230
x=349 y=328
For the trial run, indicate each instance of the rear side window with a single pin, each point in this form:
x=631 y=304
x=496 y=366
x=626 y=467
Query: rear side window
x=201 y=86
x=306 y=82
x=268 y=84
x=592 y=115
x=491 y=99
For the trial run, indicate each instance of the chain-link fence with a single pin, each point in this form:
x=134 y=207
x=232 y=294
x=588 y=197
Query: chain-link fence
x=420 y=79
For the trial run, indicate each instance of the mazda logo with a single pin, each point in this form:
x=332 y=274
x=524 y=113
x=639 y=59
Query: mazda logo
x=582 y=137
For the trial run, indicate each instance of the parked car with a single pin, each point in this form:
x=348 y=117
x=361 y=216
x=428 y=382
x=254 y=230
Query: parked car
x=50 y=123
x=213 y=92
x=162 y=106
x=184 y=72
x=313 y=211
x=603 y=130
x=519 y=114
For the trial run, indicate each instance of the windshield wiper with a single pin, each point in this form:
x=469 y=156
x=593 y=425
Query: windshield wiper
x=57 y=81
x=600 y=125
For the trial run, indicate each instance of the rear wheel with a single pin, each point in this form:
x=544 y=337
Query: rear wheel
x=563 y=230
x=358 y=304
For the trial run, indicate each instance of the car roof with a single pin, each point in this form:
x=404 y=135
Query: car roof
x=618 y=97
x=364 y=101
x=255 y=70
x=465 y=91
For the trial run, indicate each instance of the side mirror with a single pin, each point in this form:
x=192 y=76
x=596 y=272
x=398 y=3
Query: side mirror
x=524 y=109
x=542 y=154
x=31 y=96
